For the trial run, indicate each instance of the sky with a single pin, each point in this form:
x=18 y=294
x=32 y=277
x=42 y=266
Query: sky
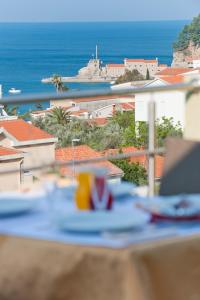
x=97 y=10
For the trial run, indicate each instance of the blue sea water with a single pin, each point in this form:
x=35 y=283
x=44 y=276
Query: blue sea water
x=32 y=51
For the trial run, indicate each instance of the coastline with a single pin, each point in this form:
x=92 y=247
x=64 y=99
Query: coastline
x=46 y=52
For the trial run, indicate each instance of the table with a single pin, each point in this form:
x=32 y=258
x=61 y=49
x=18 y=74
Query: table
x=42 y=270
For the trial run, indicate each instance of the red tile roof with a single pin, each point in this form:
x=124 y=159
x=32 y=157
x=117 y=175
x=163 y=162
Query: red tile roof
x=81 y=153
x=127 y=106
x=23 y=131
x=115 y=66
x=189 y=59
x=139 y=159
x=8 y=151
x=159 y=165
x=174 y=79
x=78 y=112
x=159 y=160
x=147 y=61
x=49 y=110
x=135 y=60
x=173 y=71
x=151 y=61
x=98 y=121
x=163 y=66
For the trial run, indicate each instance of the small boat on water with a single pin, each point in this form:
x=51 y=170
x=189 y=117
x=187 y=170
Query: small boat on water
x=14 y=91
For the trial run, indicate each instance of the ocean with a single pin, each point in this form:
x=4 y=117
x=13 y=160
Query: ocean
x=32 y=51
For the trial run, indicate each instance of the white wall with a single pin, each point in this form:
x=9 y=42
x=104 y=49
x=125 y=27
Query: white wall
x=192 y=120
x=10 y=181
x=104 y=112
x=38 y=155
x=168 y=104
x=61 y=103
x=115 y=71
x=142 y=67
x=94 y=105
x=196 y=63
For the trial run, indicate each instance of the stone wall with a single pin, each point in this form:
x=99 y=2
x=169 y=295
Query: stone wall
x=184 y=58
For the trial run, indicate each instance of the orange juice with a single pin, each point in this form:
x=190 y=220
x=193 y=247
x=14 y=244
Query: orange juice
x=83 y=191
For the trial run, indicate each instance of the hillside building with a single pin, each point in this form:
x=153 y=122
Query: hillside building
x=170 y=104
x=84 y=152
x=23 y=146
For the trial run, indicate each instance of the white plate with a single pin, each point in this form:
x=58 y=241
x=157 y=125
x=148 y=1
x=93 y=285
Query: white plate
x=166 y=205
x=11 y=207
x=100 y=221
x=32 y=195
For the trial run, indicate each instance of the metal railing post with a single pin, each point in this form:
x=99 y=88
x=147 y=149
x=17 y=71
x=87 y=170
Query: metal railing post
x=151 y=148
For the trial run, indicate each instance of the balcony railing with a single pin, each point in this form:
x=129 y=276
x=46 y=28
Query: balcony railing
x=193 y=84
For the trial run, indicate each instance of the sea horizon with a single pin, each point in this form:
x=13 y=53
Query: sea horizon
x=30 y=51
x=100 y=21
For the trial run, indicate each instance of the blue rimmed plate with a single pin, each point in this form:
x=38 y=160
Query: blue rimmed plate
x=14 y=203
x=101 y=221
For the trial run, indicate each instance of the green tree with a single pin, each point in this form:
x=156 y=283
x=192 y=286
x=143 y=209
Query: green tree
x=137 y=134
x=133 y=172
x=58 y=83
x=40 y=122
x=148 y=75
x=121 y=130
x=59 y=116
x=111 y=137
x=10 y=109
x=190 y=33
x=167 y=128
x=129 y=76
x=123 y=119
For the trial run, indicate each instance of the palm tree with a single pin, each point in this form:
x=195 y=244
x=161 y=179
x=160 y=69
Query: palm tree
x=57 y=82
x=10 y=110
x=59 y=116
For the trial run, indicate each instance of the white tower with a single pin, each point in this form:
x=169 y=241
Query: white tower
x=96 y=52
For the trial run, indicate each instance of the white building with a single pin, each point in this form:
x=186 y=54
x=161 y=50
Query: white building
x=169 y=104
x=172 y=71
x=114 y=71
x=92 y=70
x=36 y=143
x=144 y=65
x=91 y=103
